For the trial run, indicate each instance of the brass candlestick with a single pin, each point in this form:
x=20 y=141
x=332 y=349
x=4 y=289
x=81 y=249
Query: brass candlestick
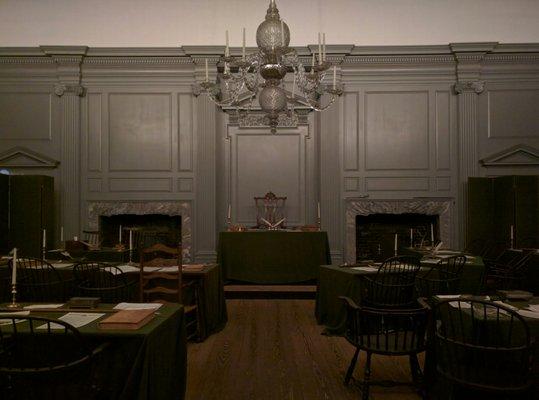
x=13 y=297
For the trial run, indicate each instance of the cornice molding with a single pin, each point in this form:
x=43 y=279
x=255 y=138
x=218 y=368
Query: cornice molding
x=130 y=60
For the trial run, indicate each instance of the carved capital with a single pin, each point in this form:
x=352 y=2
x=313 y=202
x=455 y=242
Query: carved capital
x=476 y=86
x=61 y=89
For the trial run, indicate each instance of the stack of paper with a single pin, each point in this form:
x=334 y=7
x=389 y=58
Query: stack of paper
x=77 y=319
x=137 y=306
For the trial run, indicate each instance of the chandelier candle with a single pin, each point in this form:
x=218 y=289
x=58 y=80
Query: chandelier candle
x=324 y=47
x=334 y=77
x=227 y=49
x=242 y=53
x=207 y=76
x=319 y=49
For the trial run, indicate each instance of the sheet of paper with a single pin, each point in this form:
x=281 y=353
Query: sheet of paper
x=123 y=268
x=77 y=319
x=448 y=296
x=137 y=306
x=529 y=314
x=4 y=321
x=9 y=314
x=463 y=304
x=429 y=261
x=365 y=269
x=533 y=307
x=62 y=265
x=42 y=306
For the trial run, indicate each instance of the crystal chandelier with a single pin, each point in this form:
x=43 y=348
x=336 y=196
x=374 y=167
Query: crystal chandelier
x=262 y=74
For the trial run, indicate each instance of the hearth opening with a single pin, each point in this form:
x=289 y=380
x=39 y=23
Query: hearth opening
x=375 y=233
x=166 y=227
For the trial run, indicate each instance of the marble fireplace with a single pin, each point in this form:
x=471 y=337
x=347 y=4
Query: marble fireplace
x=97 y=209
x=440 y=208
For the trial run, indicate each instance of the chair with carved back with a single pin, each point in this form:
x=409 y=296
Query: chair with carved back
x=394 y=283
x=38 y=280
x=510 y=275
x=483 y=349
x=43 y=358
x=92 y=239
x=161 y=280
x=442 y=278
x=390 y=332
x=108 y=282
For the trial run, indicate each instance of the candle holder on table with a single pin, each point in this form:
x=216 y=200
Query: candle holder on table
x=13 y=303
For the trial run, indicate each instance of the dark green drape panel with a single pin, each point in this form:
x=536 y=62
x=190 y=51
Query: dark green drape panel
x=480 y=208
x=31 y=211
x=526 y=210
x=4 y=213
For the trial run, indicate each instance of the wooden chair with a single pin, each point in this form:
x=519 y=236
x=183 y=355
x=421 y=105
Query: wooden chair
x=391 y=332
x=45 y=363
x=443 y=278
x=510 y=275
x=38 y=280
x=394 y=283
x=483 y=348
x=92 y=238
x=161 y=280
x=108 y=282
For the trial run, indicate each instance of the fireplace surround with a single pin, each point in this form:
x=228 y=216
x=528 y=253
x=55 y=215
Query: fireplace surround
x=98 y=209
x=442 y=207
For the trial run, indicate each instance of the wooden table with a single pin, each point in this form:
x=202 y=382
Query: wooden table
x=272 y=257
x=147 y=363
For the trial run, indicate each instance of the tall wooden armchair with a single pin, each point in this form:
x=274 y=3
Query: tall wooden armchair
x=442 y=278
x=161 y=280
x=101 y=280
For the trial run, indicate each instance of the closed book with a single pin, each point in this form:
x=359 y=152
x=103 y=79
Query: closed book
x=127 y=319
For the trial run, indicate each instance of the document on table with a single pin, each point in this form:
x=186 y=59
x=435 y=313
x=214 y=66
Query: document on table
x=137 y=306
x=62 y=265
x=528 y=313
x=41 y=306
x=448 y=296
x=463 y=304
x=123 y=269
x=9 y=321
x=366 y=269
x=77 y=319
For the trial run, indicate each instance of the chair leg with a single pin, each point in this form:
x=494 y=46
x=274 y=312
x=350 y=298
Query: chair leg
x=417 y=376
x=351 y=367
x=366 y=379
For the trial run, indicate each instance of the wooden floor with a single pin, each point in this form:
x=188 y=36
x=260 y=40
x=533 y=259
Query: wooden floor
x=273 y=349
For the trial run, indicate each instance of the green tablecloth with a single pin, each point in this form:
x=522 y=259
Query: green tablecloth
x=148 y=363
x=335 y=281
x=104 y=255
x=211 y=300
x=272 y=257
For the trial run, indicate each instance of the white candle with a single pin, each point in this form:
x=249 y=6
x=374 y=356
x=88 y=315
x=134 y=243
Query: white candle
x=229 y=211
x=120 y=235
x=227 y=50
x=282 y=34
x=512 y=233
x=432 y=234
x=319 y=49
x=396 y=236
x=207 y=75
x=130 y=239
x=334 y=77
x=76 y=238
x=323 y=47
x=61 y=234
x=312 y=65
x=318 y=211
x=411 y=237
x=44 y=238
x=243 y=47
x=293 y=86
x=14 y=267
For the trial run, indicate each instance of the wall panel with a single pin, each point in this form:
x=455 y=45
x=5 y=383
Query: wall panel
x=25 y=116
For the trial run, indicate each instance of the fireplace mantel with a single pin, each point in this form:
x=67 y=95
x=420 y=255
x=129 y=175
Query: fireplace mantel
x=171 y=208
x=429 y=206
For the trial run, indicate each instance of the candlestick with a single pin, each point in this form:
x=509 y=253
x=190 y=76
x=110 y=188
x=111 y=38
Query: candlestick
x=318 y=211
x=318 y=219
x=512 y=236
x=44 y=239
x=323 y=47
x=431 y=235
x=282 y=34
x=13 y=303
x=229 y=211
x=14 y=267
x=396 y=238
x=130 y=240
x=319 y=49
x=334 y=77
x=61 y=234
x=227 y=50
x=411 y=237
x=120 y=235
x=207 y=75
x=243 y=46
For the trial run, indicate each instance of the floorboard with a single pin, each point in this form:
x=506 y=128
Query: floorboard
x=273 y=349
